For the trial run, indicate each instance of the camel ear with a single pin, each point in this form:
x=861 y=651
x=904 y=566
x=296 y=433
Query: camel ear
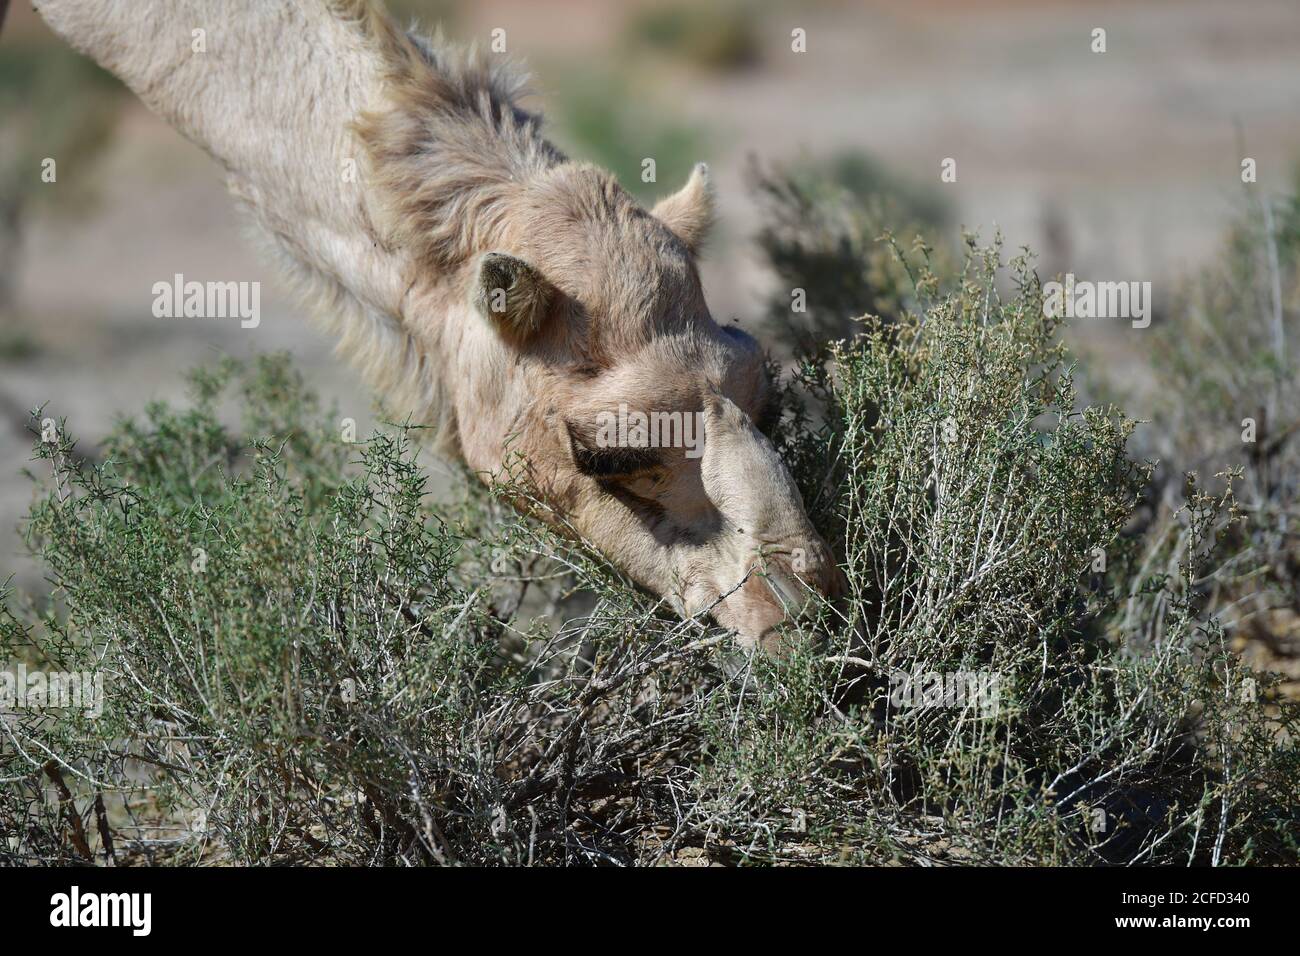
x=511 y=294
x=689 y=211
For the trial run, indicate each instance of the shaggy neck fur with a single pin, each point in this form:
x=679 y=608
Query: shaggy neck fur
x=450 y=150
x=368 y=158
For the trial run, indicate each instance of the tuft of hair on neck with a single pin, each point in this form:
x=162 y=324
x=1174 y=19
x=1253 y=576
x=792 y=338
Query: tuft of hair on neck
x=451 y=144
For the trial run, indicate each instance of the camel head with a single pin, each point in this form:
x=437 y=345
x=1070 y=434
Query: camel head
x=523 y=304
x=641 y=419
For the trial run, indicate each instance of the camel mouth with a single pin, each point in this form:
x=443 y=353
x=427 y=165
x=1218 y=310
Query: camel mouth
x=794 y=595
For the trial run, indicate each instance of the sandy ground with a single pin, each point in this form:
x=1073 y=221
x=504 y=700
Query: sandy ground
x=1136 y=151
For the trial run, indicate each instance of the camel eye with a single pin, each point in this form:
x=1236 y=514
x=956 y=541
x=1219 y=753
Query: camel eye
x=605 y=463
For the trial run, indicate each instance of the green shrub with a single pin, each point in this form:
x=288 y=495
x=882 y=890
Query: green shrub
x=716 y=36
x=305 y=661
x=593 y=121
x=823 y=236
x=16 y=344
x=53 y=104
x=1229 y=398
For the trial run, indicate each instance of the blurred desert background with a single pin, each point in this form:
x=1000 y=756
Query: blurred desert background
x=1123 y=165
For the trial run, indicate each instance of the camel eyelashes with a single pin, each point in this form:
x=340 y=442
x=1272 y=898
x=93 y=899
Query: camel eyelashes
x=614 y=462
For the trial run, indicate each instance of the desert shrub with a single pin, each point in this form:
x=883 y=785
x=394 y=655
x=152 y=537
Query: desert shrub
x=53 y=103
x=823 y=235
x=429 y=14
x=1229 y=399
x=16 y=344
x=592 y=120
x=294 y=668
x=1231 y=354
x=305 y=660
x=721 y=36
x=984 y=524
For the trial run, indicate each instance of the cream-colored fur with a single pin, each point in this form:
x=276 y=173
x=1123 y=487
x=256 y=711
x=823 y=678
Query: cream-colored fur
x=480 y=281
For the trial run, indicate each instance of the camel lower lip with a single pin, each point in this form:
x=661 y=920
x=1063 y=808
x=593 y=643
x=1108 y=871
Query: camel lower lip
x=793 y=598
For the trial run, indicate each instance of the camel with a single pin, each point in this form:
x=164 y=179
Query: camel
x=487 y=286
